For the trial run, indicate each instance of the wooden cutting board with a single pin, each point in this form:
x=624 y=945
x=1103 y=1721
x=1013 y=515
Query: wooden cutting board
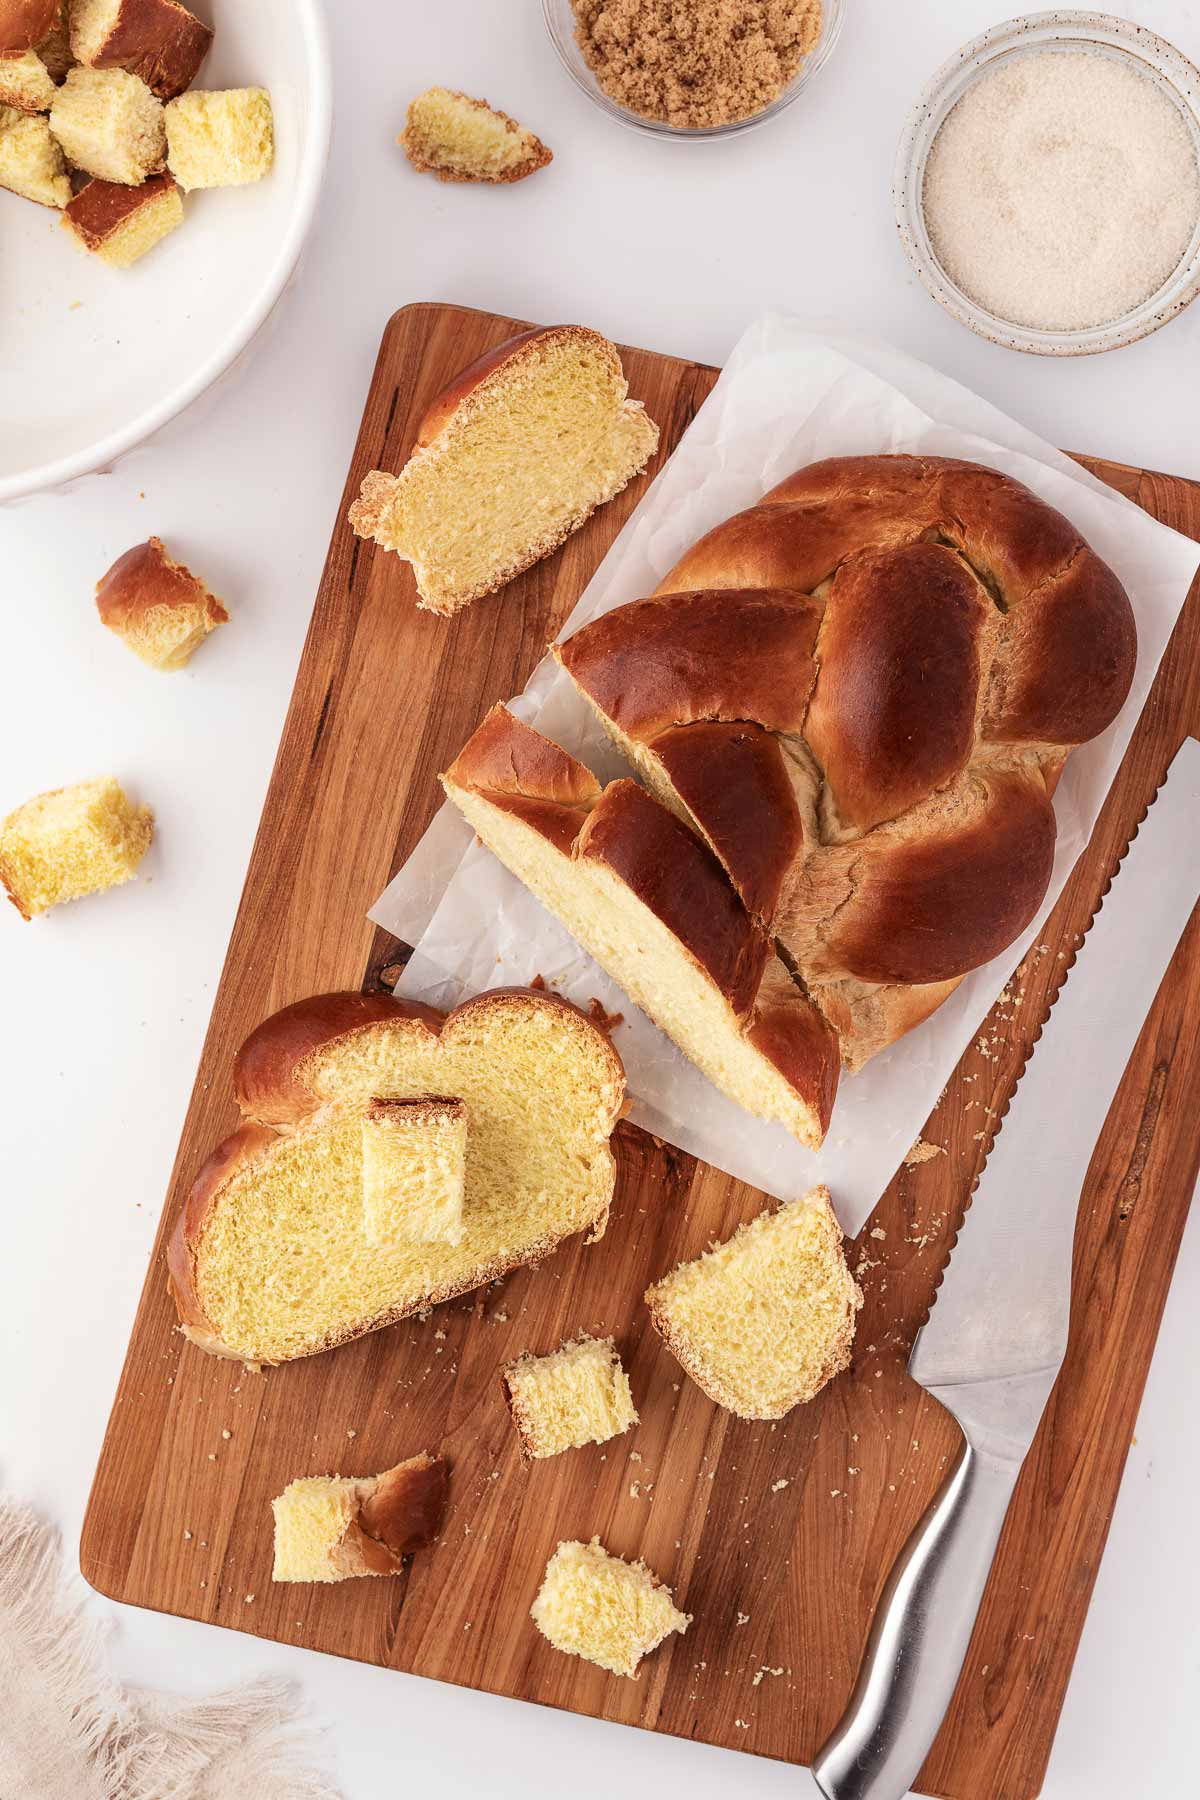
x=777 y=1539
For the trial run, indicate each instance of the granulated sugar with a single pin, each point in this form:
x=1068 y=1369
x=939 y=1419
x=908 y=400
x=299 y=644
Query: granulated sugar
x=1062 y=190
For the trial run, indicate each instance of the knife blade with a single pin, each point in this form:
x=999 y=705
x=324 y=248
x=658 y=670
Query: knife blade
x=997 y=1332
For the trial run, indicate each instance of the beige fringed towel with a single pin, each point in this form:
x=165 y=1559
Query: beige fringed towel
x=68 y=1731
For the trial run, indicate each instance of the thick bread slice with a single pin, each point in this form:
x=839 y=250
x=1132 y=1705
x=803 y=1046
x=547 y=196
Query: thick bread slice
x=270 y=1260
x=650 y=902
x=764 y=1321
x=510 y=459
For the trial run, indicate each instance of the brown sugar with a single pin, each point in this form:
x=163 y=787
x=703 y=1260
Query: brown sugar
x=708 y=63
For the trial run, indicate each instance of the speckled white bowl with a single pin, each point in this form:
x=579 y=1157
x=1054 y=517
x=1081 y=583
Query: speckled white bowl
x=1167 y=67
x=93 y=360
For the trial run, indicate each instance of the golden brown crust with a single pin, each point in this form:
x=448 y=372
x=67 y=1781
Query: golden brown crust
x=410 y=140
x=159 y=41
x=406 y=1505
x=146 y=576
x=270 y=1070
x=901 y=651
x=99 y=209
x=24 y=24
x=679 y=879
x=506 y=756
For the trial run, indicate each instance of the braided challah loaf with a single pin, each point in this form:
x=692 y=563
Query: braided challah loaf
x=861 y=693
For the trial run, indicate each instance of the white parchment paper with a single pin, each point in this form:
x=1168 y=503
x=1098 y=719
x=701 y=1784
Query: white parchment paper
x=786 y=398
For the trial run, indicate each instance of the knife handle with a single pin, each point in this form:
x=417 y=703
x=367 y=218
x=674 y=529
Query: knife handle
x=919 y=1636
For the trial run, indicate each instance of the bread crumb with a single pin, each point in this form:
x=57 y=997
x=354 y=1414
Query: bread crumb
x=227 y=1435
x=743 y=1618
x=920 y=1151
x=249 y=1600
x=778 y=1486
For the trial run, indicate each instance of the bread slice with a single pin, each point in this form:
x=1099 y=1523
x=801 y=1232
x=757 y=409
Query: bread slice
x=154 y=604
x=71 y=842
x=650 y=902
x=25 y=83
x=24 y=24
x=31 y=161
x=459 y=139
x=604 y=1609
x=414 y=1159
x=119 y=224
x=110 y=125
x=220 y=139
x=328 y=1528
x=764 y=1321
x=510 y=459
x=577 y=1395
x=159 y=41
x=270 y=1260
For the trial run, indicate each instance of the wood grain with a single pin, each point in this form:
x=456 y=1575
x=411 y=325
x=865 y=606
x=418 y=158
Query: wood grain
x=776 y=1539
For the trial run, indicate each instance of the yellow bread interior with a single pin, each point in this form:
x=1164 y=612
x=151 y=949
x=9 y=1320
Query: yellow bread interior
x=71 y=842
x=31 y=159
x=220 y=139
x=447 y=130
x=109 y=124
x=763 y=1321
x=646 y=958
x=283 y=1266
x=608 y=1611
x=25 y=82
x=414 y=1172
x=577 y=1395
x=312 y=1518
x=525 y=460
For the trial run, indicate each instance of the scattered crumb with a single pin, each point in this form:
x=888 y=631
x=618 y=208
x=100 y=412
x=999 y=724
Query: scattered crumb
x=227 y=1435
x=743 y=1618
x=778 y=1486
x=920 y=1151
x=187 y=1534
x=249 y=1600
x=350 y=1431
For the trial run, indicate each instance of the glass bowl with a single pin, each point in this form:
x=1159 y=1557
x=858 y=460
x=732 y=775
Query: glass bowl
x=1152 y=56
x=560 y=23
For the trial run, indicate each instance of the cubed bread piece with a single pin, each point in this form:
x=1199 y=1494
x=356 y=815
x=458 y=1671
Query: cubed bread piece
x=110 y=125
x=762 y=1322
x=71 y=842
x=25 y=83
x=161 y=610
x=220 y=139
x=24 y=24
x=604 y=1609
x=157 y=40
x=414 y=1170
x=510 y=459
x=577 y=1395
x=119 y=224
x=459 y=139
x=31 y=162
x=328 y=1528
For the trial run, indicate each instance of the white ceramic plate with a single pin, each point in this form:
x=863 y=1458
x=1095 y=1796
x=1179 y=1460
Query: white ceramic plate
x=92 y=359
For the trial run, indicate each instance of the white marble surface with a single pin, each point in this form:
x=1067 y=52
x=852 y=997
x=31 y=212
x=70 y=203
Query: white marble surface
x=106 y=1003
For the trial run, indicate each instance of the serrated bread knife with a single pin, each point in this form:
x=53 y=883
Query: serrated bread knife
x=994 y=1342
